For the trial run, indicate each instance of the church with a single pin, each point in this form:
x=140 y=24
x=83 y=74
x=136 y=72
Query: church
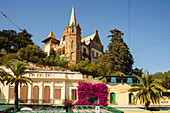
x=73 y=45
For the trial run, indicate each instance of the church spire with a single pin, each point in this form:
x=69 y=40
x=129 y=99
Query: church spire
x=73 y=17
x=51 y=35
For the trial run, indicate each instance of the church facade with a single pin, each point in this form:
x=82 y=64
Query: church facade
x=73 y=45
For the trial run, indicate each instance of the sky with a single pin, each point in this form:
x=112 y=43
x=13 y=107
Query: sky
x=147 y=33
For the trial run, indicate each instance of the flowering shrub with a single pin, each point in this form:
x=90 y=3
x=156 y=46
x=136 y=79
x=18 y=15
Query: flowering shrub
x=67 y=103
x=87 y=90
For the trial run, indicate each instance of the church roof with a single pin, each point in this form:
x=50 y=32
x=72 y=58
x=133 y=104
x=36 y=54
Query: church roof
x=88 y=38
x=50 y=36
x=73 y=17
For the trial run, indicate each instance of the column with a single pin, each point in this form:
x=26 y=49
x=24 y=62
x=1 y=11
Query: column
x=52 y=92
x=29 y=93
x=41 y=92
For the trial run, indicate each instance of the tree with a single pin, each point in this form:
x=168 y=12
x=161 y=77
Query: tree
x=11 y=41
x=164 y=78
x=7 y=57
x=137 y=72
x=18 y=69
x=103 y=65
x=148 y=90
x=52 y=52
x=85 y=67
x=118 y=53
x=32 y=53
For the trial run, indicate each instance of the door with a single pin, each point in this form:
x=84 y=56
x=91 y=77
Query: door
x=112 y=98
x=93 y=100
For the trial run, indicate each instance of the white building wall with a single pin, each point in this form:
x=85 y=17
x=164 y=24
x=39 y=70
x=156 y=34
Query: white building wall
x=53 y=79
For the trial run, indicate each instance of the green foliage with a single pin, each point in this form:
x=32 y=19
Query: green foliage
x=148 y=90
x=55 y=60
x=52 y=52
x=137 y=72
x=5 y=58
x=164 y=78
x=85 y=67
x=32 y=53
x=18 y=69
x=11 y=41
x=118 y=53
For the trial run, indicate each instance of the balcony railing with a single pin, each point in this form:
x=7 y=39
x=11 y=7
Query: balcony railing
x=35 y=101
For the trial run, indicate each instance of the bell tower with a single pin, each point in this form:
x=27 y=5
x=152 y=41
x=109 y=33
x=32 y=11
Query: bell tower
x=72 y=38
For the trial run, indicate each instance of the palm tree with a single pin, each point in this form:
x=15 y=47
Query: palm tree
x=17 y=77
x=148 y=90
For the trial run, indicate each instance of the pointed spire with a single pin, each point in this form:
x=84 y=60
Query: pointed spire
x=51 y=35
x=73 y=17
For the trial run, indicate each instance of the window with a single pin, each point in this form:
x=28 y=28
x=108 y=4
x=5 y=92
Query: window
x=92 y=54
x=97 y=54
x=67 y=45
x=131 y=98
x=134 y=80
x=78 y=45
x=84 y=51
x=118 y=79
x=63 y=38
x=78 y=57
x=124 y=80
x=108 y=79
x=72 y=44
x=11 y=92
x=74 y=94
x=57 y=93
x=113 y=79
x=129 y=80
x=72 y=56
x=24 y=94
x=112 y=98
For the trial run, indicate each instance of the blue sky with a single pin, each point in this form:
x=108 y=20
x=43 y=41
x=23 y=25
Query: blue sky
x=149 y=24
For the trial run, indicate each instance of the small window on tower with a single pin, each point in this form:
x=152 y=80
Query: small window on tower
x=67 y=45
x=72 y=30
x=63 y=38
x=78 y=45
x=72 y=44
x=72 y=56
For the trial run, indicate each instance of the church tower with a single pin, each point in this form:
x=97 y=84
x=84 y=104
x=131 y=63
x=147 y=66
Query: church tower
x=72 y=39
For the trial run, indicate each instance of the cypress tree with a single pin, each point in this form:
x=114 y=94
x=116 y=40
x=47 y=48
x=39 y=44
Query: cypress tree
x=118 y=53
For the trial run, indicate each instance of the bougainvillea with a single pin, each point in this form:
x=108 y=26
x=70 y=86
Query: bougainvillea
x=67 y=103
x=87 y=90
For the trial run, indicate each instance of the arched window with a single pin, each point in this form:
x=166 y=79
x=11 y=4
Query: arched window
x=35 y=94
x=84 y=51
x=24 y=94
x=67 y=45
x=131 y=98
x=97 y=54
x=63 y=38
x=92 y=54
x=72 y=56
x=46 y=94
x=112 y=98
x=72 y=44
